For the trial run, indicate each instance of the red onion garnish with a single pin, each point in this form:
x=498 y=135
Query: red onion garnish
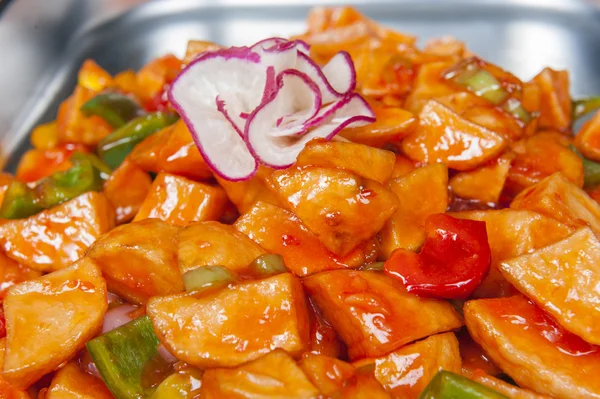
x=247 y=106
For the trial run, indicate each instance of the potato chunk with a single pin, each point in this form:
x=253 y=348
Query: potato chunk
x=587 y=139
x=326 y=373
x=281 y=232
x=72 y=383
x=50 y=318
x=555 y=106
x=374 y=314
x=369 y=162
x=558 y=198
x=214 y=243
x=7 y=391
x=126 y=189
x=340 y=208
x=274 y=375
x=56 y=237
x=562 y=279
x=405 y=372
x=484 y=183
x=527 y=345
x=180 y=201
x=444 y=136
x=512 y=232
x=12 y=273
x=420 y=194
x=234 y=325
x=148 y=249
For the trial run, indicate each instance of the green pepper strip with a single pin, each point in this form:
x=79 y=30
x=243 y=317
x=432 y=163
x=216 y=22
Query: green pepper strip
x=115 y=108
x=584 y=106
x=122 y=354
x=86 y=174
x=591 y=169
x=207 y=277
x=268 y=265
x=116 y=146
x=447 y=385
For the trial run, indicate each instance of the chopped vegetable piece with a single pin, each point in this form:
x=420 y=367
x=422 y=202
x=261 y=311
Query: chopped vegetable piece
x=510 y=389
x=49 y=319
x=328 y=374
x=516 y=109
x=71 y=382
x=183 y=384
x=302 y=251
x=444 y=136
x=340 y=208
x=473 y=77
x=555 y=99
x=45 y=137
x=126 y=189
x=532 y=349
x=207 y=277
x=267 y=265
x=20 y=201
x=587 y=139
x=558 y=198
x=324 y=340
x=12 y=273
x=246 y=194
x=452 y=263
x=420 y=194
x=116 y=146
x=37 y=164
x=180 y=201
x=448 y=385
x=374 y=314
x=150 y=250
x=275 y=375
x=121 y=367
x=56 y=237
x=584 y=106
x=274 y=315
x=115 y=108
x=214 y=243
x=373 y=267
x=561 y=278
x=7 y=391
x=405 y=372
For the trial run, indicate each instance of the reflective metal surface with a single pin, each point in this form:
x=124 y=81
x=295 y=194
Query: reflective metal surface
x=42 y=43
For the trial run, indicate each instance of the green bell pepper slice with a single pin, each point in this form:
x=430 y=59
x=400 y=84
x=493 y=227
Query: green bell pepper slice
x=470 y=75
x=268 y=265
x=584 y=106
x=447 y=385
x=116 y=146
x=115 y=108
x=122 y=355
x=20 y=201
x=591 y=169
x=207 y=277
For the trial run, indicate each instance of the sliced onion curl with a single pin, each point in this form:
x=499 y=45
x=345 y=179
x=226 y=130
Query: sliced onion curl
x=247 y=106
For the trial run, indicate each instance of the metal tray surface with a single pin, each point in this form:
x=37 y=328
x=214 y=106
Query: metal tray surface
x=42 y=44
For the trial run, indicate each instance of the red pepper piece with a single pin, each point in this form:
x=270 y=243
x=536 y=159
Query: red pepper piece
x=452 y=263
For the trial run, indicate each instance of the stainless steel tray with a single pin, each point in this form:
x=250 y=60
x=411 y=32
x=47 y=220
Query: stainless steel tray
x=42 y=43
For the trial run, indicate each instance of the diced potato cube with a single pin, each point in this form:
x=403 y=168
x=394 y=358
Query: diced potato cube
x=530 y=348
x=56 y=237
x=72 y=383
x=49 y=319
x=196 y=47
x=148 y=249
x=429 y=83
x=509 y=390
x=180 y=201
x=444 y=136
x=420 y=194
x=12 y=273
x=234 y=325
x=374 y=314
x=126 y=189
x=274 y=375
x=555 y=106
x=402 y=167
x=214 y=243
x=405 y=372
x=340 y=208
x=73 y=126
x=364 y=385
x=328 y=374
x=392 y=124
x=369 y=162
x=562 y=278
x=485 y=183
x=587 y=139
x=540 y=156
x=153 y=76
x=286 y=235
x=558 y=198
x=245 y=194
x=512 y=232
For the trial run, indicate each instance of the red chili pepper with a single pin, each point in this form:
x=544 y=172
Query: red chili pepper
x=159 y=102
x=453 y=261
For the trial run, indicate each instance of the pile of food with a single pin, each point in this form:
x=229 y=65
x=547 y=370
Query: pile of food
x=338 y=215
